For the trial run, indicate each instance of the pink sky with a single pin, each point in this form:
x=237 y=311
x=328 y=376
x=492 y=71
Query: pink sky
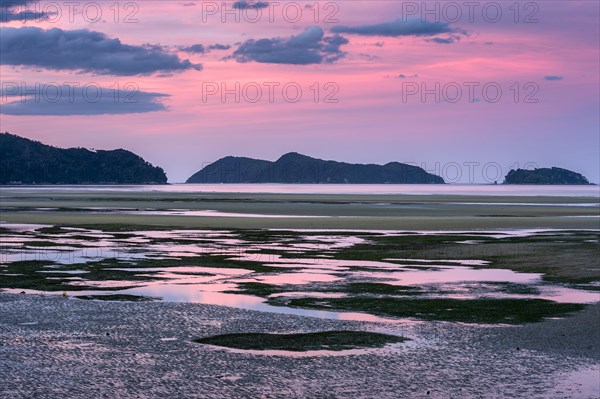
x=371 y=122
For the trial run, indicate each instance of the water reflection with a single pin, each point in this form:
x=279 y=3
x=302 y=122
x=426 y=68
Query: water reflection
x=308 y=268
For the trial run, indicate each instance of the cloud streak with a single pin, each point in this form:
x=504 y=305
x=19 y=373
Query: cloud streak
x=194 y=49
x=85 y=51
x=218 y=46
x=398 y=27
x=202 y=49
x=246 y=5
x=66 y=100
x=444 y=40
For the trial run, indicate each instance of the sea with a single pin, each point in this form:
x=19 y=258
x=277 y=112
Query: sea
x=499 y=190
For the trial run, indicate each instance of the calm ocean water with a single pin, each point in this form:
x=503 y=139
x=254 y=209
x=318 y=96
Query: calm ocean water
x=399 y=189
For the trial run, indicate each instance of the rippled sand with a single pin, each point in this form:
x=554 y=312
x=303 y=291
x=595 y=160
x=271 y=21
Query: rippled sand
x=61 y=347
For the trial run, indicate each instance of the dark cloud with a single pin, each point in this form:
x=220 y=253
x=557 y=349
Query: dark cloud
x=15 y=10
x=194 y=49
x=397 y=27
x=67 y=100
x=201 y=49
x=553 y=77
x=15 y=3
x=369 y=57
x=404 y=76
x=309 y=47
x=219 y=47
x=246 y=5
x=444 y=40
x=85 y=51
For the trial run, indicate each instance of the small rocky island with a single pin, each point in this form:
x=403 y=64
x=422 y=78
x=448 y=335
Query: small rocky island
x=294 y=168
x=25 y=161
x=545 y=176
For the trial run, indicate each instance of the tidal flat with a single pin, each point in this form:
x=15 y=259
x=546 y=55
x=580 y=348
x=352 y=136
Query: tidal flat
x=505 y=289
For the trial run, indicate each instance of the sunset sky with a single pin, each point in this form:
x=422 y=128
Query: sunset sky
x=362 y=68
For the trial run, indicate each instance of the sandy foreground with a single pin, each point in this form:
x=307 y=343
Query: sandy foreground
x=53 y=347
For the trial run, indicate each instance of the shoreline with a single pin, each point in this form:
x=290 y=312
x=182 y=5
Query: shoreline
x=300 y=211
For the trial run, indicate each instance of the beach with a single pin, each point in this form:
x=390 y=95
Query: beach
x=301 y=211
x=103 y=293
x=60 y=347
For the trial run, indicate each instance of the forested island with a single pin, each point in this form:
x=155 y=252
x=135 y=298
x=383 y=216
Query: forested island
x=24 y=161
x=294 y=168
x=553 y=176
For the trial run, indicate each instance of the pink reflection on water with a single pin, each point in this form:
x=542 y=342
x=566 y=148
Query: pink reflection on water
x=465 y=262
x=194 y=293
x=213 y=213
x=175 y=278
x=306 y=294
x=332 y=264
x=107 y=283
x=456 y=275
x=184 y=233
x=298 y=278
x=197 y=294
x=568 y=295
x=186 y=269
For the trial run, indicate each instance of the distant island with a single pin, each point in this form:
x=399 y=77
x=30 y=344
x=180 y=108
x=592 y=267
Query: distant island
x=545 y=176
x=24 y=161
x=294 y=168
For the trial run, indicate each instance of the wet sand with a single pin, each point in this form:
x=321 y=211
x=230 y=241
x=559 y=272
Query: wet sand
x=322 y=211
x=63 y=347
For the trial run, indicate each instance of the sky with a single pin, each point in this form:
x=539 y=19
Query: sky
x=466 y=90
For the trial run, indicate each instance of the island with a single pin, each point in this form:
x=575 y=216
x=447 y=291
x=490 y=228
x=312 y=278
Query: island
x=295 y=168
x=545 y=176
x=25 y=161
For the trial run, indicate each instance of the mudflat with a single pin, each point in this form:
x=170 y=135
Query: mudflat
x=299 y=211
x=387 y=296
x=63 y=347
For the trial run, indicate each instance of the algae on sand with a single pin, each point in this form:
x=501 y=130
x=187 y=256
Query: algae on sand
x=485 y=311
x=324 y=340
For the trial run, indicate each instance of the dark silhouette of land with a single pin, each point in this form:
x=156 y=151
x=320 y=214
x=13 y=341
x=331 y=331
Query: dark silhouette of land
x=298 y=168
x=24 y=161
x=545 y=176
